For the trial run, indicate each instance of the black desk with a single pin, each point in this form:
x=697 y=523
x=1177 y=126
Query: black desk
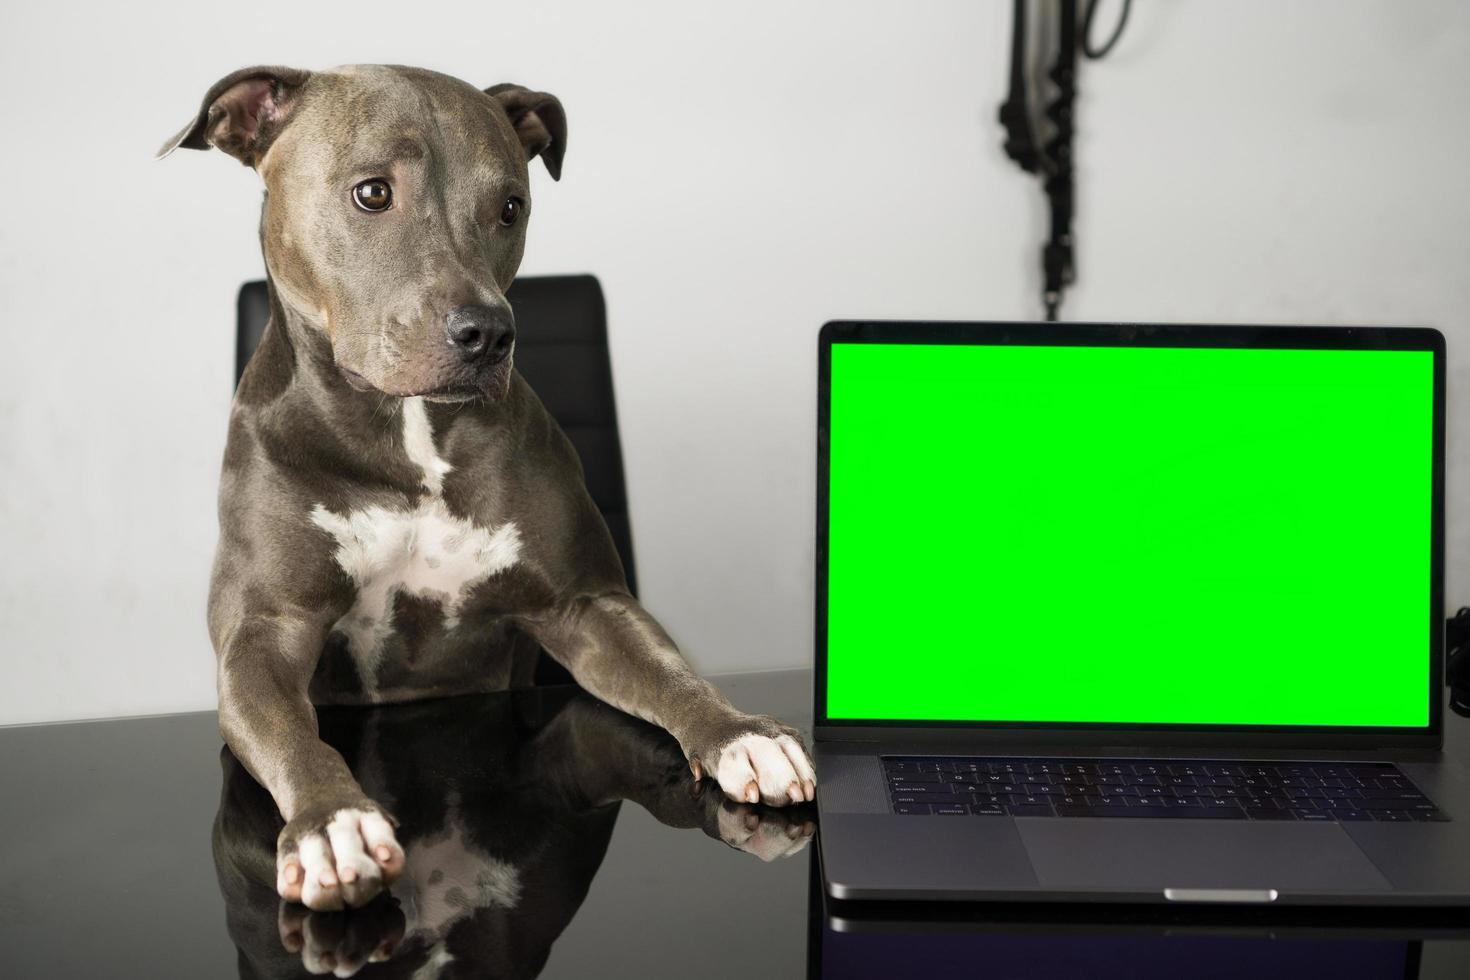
x=131 y=848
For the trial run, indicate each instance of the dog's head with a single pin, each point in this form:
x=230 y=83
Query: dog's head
x=395 y=212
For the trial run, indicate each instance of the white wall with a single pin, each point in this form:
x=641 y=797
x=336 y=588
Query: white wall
x=737 y=174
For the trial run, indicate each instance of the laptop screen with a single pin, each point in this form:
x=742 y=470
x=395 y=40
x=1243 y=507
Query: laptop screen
x=1129 y=535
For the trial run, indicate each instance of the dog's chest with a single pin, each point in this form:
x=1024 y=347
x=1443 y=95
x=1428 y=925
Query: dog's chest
x=425 y=554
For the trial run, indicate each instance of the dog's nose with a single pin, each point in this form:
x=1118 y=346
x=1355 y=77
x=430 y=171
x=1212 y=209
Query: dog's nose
x=481 y=332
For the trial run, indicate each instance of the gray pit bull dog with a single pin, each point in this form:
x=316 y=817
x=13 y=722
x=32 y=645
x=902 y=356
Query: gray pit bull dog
x=400 y=518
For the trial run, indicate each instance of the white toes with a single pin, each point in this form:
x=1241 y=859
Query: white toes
x=774 y=772
x=736 y=775
x=773 y=768
x=801 y=762
x=357 y=872
x=377 y=833
x=338 y=864
x=319 y=886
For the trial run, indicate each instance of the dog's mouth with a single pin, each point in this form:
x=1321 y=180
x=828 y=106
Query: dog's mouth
x=492 y=385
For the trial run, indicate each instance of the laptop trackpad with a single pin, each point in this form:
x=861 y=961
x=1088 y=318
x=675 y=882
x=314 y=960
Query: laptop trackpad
x=1160 y=853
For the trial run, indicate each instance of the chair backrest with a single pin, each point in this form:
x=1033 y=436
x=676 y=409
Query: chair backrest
x=561 y=350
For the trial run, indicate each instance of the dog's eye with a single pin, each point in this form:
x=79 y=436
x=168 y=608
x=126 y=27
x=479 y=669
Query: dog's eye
x=373 y=195
x=510 y=211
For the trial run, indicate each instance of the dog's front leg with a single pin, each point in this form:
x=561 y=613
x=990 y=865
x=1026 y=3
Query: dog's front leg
x=619 y=653
x=338 y=847
x=603 y=755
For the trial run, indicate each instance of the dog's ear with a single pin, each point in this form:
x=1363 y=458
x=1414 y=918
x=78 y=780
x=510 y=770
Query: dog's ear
x=539 y=120
x=242 y=113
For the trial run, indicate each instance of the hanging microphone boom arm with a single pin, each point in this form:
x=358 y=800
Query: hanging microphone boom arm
x=1053 y=160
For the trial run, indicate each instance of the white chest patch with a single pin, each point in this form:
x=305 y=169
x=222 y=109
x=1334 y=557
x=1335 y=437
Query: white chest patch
x=426 y=552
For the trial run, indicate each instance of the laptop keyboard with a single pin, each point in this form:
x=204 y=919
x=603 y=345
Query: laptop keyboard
x=1162 y=788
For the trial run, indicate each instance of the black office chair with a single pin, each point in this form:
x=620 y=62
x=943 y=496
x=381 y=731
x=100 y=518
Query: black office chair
x=561 y=350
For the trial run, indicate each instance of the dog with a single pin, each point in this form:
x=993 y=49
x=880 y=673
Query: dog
x=400 y=518
x=504 y=832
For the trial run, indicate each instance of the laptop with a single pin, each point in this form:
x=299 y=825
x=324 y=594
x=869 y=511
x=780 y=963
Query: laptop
x=1134 y=613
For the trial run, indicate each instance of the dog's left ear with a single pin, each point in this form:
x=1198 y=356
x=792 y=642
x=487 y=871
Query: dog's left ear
x=539 y=120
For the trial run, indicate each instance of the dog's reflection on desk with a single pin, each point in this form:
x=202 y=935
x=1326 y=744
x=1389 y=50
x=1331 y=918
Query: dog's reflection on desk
x=506 y=803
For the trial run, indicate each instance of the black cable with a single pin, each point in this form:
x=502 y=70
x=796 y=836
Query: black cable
x=1087 y=48
x=1056 y=255
x=1015 y=112
x=1052 y=159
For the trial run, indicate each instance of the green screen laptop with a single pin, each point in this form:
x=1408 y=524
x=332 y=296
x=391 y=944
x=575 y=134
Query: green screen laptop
x=1132 y=612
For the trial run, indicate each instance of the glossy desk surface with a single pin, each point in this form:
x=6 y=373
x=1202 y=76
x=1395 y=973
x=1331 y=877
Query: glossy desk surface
x=136 y=849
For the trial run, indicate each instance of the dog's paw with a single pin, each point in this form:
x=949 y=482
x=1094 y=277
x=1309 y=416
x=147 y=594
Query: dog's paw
x=339 y=857
x=767 y=763
x=768 y=834
x=341 y=943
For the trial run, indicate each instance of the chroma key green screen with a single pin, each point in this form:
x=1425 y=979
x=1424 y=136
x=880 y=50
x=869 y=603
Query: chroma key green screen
x=1197 y=536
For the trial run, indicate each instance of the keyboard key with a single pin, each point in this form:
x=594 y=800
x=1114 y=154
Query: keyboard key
x=1346 y=815
x=988 y=810
x=1395 y=803
x=932 y=798
x=954 y=810
x=1152 y=813
x=1270 y=814
x=1390 y=816
x=1322 y=816
x=911 y=808
x=1430 y=816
